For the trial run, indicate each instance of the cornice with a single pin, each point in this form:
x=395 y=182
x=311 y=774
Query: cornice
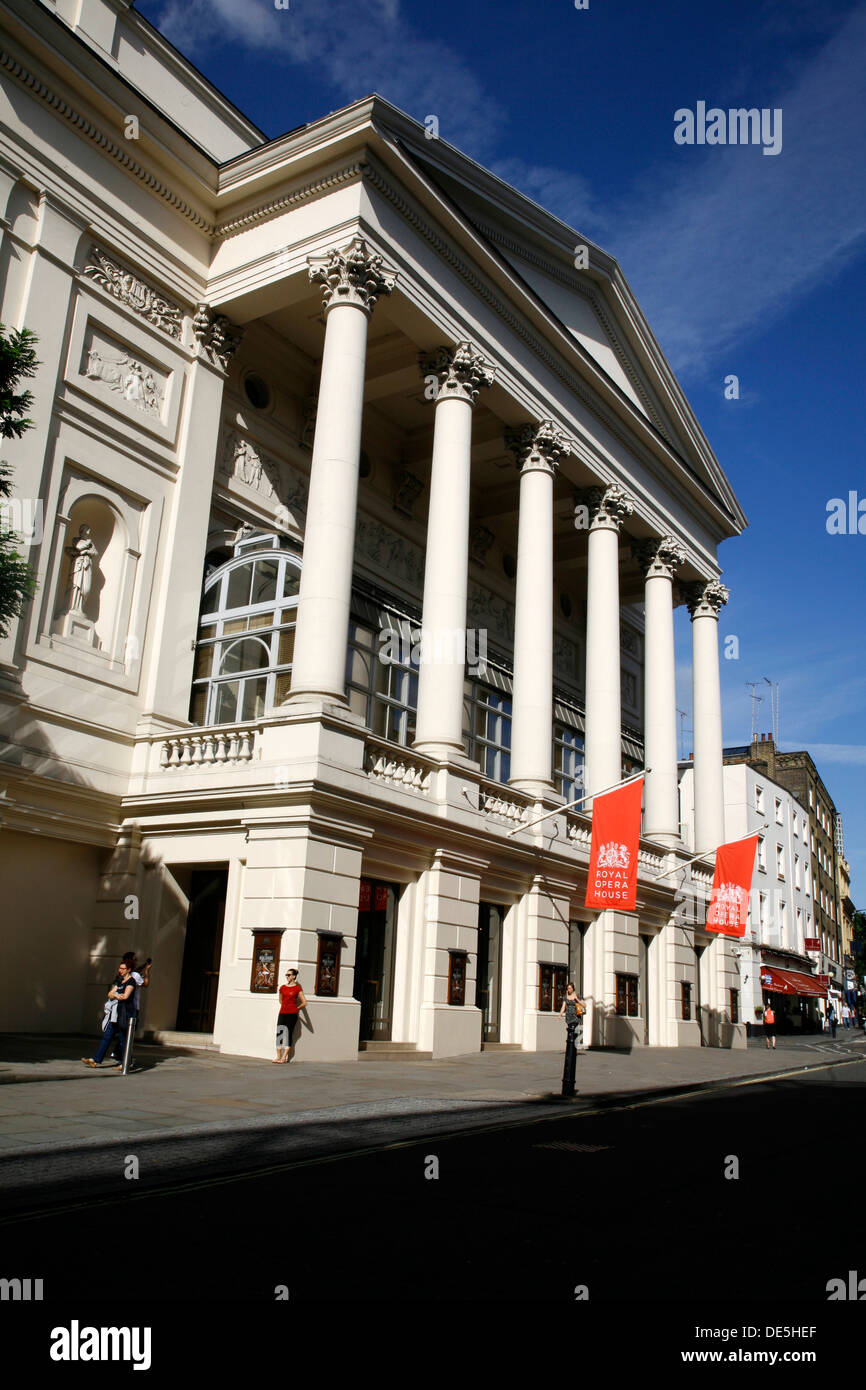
x=349 y=173
x=84 y=126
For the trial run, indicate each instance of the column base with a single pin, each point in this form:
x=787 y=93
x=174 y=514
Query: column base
x=444 y=753
x=314 y=704
x=538 y=789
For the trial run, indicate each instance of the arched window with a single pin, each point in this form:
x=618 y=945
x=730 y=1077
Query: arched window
x=247 y=633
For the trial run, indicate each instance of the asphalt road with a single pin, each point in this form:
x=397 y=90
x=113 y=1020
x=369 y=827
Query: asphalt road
x=628 y=1202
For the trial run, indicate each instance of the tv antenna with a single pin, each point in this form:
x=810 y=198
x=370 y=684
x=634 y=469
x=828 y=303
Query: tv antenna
x=756 y=701
x=775 y=699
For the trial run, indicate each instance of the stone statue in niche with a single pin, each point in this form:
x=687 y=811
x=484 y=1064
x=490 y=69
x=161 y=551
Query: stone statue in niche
x=82 y=555
x=83 y=572
x=132 y=380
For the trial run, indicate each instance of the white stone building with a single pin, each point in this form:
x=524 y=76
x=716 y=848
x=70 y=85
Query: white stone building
x=773 y=958
x=296 y=399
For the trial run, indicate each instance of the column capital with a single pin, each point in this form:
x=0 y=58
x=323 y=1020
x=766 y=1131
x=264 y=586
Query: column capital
x=659 y=557
x=705 y=600
x=540 y=447
x=608 y=507
x=217 y=337
x=351 y=274
x=460 y=371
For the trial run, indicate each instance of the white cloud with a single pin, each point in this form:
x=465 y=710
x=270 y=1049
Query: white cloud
x=359 y=47
x=735 y=236
x=716 y=241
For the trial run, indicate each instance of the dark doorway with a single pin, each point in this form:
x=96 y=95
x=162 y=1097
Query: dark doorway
x=487 y=984
x=200 y=973
x=645 y=942
x=374 y=959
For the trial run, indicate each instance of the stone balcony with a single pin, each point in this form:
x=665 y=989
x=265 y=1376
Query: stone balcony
x=293 y=754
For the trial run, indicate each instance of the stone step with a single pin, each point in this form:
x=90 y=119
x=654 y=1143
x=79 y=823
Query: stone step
x=166 y=1037
x=501 y=1047
x=384 y=1051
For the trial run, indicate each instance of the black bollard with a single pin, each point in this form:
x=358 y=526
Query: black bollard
x=570 y=1061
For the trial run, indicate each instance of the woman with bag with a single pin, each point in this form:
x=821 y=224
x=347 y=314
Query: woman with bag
x=118 y=1017
x=770 y=1025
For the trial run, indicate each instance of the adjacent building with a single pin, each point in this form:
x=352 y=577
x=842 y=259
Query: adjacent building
x=361 y=518
x=777 y=958
x=797 y=772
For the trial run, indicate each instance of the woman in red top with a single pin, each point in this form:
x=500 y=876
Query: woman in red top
x=291 y=1000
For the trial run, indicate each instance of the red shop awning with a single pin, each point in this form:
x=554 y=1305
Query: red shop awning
x=792 y=982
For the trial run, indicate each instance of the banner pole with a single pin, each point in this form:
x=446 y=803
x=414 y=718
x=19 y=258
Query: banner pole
x=590 y=796
x=704 y=853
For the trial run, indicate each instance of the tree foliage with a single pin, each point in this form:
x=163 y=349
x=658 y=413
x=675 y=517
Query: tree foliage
x=17 y=362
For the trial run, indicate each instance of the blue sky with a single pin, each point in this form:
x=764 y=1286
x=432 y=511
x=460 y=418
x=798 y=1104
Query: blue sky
x=744 y=263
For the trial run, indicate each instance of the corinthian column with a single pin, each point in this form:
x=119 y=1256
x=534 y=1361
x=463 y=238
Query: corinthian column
x=353 y=278
x=538 y=450
x=705 y=602
x=459 y=374
x=659 y=560
x=608 y=509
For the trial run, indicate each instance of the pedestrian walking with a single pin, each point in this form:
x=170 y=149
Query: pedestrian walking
x=846 y=1016
x=291 y=1002
x=141 y=979
x=770 y=1025
x=832 y=1020
x=118 y=1017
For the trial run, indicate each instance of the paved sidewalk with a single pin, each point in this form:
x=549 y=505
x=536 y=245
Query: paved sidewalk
x=49 y=1099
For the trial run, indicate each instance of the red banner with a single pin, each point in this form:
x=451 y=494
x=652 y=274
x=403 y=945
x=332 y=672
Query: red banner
x=732 y=884
x=612 y=877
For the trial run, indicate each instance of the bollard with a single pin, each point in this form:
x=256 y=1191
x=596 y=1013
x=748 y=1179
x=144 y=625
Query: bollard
x=570 y=1066
x=127 y=1047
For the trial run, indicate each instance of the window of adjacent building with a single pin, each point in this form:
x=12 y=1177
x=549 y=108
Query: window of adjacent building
x=811 y=802
x=384 y=692
x=568 y=760
x=763 y=911
x=487 y=729
x=778 y=810
x=759 y=798
x=626 y=995
x=735 y=1005
x=796 y=826
x=780 y=861
x=686 y=997
x=796 y=871
x=246 y=636
x=805 y=830
x=762 y=853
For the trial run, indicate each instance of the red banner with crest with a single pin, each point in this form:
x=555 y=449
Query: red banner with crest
x=732 y=884
x=612 y=877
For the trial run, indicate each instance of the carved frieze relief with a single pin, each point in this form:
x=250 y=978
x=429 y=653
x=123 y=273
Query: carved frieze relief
x=136 y=382
x=136 y=294
x=272 y=478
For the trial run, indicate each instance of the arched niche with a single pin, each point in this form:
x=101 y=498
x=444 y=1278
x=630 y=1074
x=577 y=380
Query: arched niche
x=96 y=554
